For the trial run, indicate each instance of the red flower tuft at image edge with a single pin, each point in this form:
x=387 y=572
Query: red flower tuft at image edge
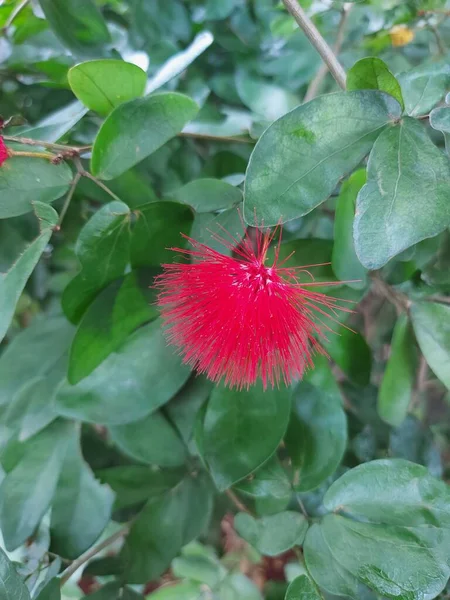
x=4 y=154
x=237 y=319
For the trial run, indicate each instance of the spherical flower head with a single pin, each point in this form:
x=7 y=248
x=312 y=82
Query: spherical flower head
x=237 y=318
x=4 y=154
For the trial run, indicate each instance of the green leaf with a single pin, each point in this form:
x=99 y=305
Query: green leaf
x=345 y=263
x=135 y=484
x=317 y=413
x=25 y=181
x=423 y=87
x=115 y=591
x=207 y=195
x=314 y=254
x=80 y=28
x=136 y=129
x=179 y=591
x=242 y=429
x=398 y=380
x=52 y=591
x=81 y=507
x=373 y=74
x=121 y=381
x=415 y=442
x=13 y=282
x=208 y=225
x=269 y=486
x=12 y=586
x=116 y=312
x=300 y=158
x=165 y=525
x=102 y=85
x=394 y=536
x=440 y=120
x=54 y=126
x=431 y=323
x=274 y=534
x=151 y=440
x=27 y=491
x=351 y=352
x=103 y=251
x=405 y=199
x=159 y=226
x=239 y=587
x=302 y=588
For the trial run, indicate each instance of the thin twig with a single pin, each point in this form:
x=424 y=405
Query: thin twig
x=398 y=299
x=316 y=84
x=26 y=154
x=439 y=40
x=84 y=558
x=441 y=299
x=217 y=138
x=317 y=40
x=19 y=8
x=50 y=145
x=67 y=201
x=237 y=503
x=82 y=171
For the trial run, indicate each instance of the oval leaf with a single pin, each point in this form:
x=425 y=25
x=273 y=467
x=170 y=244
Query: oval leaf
x=12 y=586
x=136 y=129
x=300 y=158
x=302 y=588
x=373 y=74
x=207 y=195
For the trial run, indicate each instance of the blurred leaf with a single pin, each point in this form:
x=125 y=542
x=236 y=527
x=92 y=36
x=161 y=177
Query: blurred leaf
x=165 y=525
x=217 y=10
x=274 y=534
x=431 y=323
x=136 y=129
x=440 y=120
x=157 y=228
x=344 y=261
x=373 y=74
x=102 y=85
x=289 y=175
x=302 y=588
x=115 y=591
x=316 y=412
x=179 y=591
x=151 y=440
x=351 y=353
x=27 y=491
x=103 y=251
x=414 y=441
x=153 y=23
x=11 y=584
x=121 y=380
x=116 y=312
x=54 y=126
x=405 y=198
x=239 y=587
x=81 y=507
x=52 y=591
x=207 y=195
x=13 y=282
x=424 y=86
x=242 y=429
x=80 y=28
x=27 y=181
x=398 y=380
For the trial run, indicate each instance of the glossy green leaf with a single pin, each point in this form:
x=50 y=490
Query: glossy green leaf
x=274 y=534
x=151 y=440
x=345 y=263
x=25 y=181
x=165 y=525
x=102 y=85
x=242 y=429
x=317 y=413
x=12 y=586
x=440 y=120
x=27 y=490
x=158 y=227
x=103 y=251
x=300 y=158
x=431 y=323
x=116 y=312
x=373 y=74
x=424 y=86
x=207 y=195
x=269 y=487
x=51 y=591
x=79 y=27
x=398 y=380
x=13 y=282
x=405 y=199
x=351 y=352
x=136 y=129
x=100 y=397
x=302 y=588
x=81 y=507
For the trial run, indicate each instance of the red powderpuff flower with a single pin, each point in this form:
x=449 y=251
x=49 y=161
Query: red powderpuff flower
x=238 y=319
x=4 y=154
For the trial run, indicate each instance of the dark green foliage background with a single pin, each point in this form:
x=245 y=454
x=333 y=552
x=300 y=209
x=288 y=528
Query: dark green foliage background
x=144 y=119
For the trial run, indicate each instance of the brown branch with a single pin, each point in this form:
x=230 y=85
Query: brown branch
x=49 y=145
x=237 y=503
x=68 y=199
